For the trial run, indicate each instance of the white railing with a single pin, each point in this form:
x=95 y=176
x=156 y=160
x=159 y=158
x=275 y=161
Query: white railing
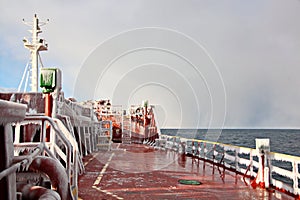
x=23 y=161
x=282 y=171
x=62 y=145
x=103 y=131
x=285 y=166
x=78 y=109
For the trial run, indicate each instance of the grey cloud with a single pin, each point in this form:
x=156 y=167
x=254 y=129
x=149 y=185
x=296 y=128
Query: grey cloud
x=255 y=44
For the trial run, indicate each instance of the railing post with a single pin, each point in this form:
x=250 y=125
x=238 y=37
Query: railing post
x=10 y=112
x=8 y=184
x=295 y=178
x=174 y=143
x=183 y=147
x=236 y=160
x=17 y=132
x=199 y=149
x=204 y=150
x=51 y=135
x=214 y=154
x=251 y=162
x=193 y=148
x=263 y=148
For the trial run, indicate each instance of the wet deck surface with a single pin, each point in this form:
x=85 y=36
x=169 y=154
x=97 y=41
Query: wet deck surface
x=140 y=172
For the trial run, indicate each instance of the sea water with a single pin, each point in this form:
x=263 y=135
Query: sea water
x=281 y=140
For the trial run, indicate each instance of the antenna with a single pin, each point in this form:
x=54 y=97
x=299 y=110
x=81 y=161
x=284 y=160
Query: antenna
x=36 y=45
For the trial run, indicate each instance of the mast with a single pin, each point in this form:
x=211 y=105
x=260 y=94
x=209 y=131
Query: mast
x=37 y=44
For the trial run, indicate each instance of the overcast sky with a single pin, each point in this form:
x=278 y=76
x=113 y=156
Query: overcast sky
x=210 y=63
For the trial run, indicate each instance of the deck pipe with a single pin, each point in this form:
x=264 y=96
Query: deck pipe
x=37 y=192
x=56 y=172
x=48 y=104
x=48 y=112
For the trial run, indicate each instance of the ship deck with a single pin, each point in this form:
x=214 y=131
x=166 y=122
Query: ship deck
x=136 y=171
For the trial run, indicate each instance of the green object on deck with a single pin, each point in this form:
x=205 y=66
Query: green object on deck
x=189 y=182
x=48 y=79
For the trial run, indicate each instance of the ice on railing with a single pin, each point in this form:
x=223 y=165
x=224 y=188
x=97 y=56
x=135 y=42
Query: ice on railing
x=216 y=153
x=76 y=107
x=229 y=157
x=283 y=172
x=18 y=149
x=243 y=161
x=255 y=164
x=246 y=160
x=228 y=148
x=67 y=134
x=284 y=157
x=243 y=150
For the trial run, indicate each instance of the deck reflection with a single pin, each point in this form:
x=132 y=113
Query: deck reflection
x=138 y=171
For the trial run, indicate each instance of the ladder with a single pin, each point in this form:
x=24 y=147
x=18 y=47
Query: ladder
x=104 y=135
x=126 y=132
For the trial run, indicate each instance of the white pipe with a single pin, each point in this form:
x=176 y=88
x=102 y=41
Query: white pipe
x=56 y=172
x=37 y=192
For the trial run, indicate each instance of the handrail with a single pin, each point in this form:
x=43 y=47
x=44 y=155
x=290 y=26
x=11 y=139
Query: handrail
x=60 y=134
x=73 y=142
x=58 y=130
x=232 y=157
x=26 y=161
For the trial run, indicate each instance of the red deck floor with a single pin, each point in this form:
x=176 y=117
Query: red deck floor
x=140 y=172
